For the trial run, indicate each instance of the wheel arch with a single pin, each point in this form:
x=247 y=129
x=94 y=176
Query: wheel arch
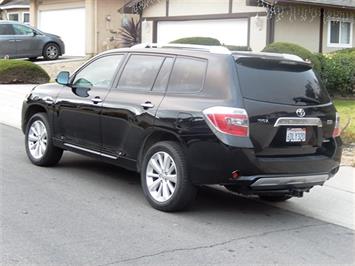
x=154 y=137
x=31 y=110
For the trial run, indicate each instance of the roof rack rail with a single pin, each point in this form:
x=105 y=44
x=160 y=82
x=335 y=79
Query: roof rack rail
x=202 y=48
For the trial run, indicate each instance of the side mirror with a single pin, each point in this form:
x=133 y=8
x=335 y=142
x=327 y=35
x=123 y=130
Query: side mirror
x=63 y=78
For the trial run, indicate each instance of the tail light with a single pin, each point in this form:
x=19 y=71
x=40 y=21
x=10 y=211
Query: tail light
x=228 y=120
x=337 y=130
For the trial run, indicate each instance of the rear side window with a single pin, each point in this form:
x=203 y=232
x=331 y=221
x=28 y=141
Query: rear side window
x=6 y=29
x=163 y=78
x=140 y=72
x=277 y=81
x=188 y=75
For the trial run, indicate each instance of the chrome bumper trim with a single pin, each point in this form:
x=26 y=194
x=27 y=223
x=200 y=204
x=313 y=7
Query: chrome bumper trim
x=289 y=180
x=297 y=121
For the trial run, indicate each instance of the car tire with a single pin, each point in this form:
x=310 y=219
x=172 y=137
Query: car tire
x=164 y=177
x=275 y=198
x=38 y=141
x=51 y=51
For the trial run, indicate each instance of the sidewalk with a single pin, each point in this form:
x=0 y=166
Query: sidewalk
x=11 y=98
x=333 y=203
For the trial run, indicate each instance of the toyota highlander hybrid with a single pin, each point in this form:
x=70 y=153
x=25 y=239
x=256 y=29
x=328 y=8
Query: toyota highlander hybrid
x=184 y=116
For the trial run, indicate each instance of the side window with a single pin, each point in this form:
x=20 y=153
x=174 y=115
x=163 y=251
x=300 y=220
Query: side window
x=188 y=75
x=163 y=78
x=6 y=29
x=22 y=30
x=99 y=73
x=140 y=72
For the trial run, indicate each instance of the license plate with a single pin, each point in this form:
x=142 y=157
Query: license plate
x=296 y=135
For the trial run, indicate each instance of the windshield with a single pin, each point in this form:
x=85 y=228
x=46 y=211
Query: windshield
x=278 y=81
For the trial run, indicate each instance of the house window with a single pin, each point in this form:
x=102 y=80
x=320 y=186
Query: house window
x=340 y=33
x=14 y=16
x=26 y=18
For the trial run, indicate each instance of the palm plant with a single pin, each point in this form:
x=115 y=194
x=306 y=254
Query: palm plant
x=130 y=33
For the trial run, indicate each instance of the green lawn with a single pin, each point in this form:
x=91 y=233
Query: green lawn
x=346 y=109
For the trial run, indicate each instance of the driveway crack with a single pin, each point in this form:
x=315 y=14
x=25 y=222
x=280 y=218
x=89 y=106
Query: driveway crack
x=212 y=245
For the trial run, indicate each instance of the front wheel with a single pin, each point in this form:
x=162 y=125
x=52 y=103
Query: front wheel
x=51 y=51
x=164 y=177
x=39 y=145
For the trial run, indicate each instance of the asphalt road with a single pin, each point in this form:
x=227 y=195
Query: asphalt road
x=85 y=212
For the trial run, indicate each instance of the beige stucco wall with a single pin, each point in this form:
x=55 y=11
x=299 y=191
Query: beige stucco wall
x=197 y=7
x=158 y=9
x=240 y=6
x=304 y=33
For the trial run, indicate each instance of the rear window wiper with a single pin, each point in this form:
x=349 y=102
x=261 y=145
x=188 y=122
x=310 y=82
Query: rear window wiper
x=306 y=100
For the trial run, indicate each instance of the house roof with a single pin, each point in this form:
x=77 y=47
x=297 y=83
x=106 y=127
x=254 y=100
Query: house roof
x=11 y=4
x=328 y=3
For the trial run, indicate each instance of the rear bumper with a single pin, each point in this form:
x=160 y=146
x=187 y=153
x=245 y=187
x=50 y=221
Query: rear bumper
x=214 y=164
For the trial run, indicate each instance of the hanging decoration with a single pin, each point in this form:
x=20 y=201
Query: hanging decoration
x=143 y=4
x=302 y=13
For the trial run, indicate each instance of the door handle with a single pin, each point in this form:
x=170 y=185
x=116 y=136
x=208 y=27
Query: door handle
x=147 y=105
x=96 y=100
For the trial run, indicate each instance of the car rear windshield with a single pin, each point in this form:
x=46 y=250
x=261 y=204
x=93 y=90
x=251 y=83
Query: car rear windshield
x=280 y=81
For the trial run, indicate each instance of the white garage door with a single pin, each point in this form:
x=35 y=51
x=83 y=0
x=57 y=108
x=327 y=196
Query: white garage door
x=227 y=31
x=69 y=24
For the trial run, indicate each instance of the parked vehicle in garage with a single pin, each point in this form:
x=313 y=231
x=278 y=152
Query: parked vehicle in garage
x=184 y=115
x=22 y=41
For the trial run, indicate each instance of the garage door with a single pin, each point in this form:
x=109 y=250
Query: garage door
x=69 y=24
x=227 y=31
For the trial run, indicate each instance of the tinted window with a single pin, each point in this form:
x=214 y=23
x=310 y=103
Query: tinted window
x=282 y=82
x=187 y=76
x=22 y=30
x=99 y=73
x=6 y=29
x=163 y=78
x=140 y=72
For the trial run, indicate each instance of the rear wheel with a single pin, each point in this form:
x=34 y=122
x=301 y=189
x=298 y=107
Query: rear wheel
x=51 y=51
x=39 y=145
x=164 y=177
x=275 y=198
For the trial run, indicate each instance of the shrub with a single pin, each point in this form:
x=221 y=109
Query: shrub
x=344 y=51
x=21 y=72
x=290 y=48
x=338 y=72
x=198 y=41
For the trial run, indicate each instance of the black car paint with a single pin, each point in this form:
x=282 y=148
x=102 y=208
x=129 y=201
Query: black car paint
x=120 y=128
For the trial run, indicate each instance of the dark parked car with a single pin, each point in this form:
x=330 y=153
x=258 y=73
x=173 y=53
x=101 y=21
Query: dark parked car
x=259 y=124
x=22 y=41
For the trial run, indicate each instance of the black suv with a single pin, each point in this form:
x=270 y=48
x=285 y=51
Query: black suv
x=184 y=116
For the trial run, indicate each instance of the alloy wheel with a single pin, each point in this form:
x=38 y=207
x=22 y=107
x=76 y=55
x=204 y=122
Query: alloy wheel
x=37 y=139
x=52 y=52
x=161 y=176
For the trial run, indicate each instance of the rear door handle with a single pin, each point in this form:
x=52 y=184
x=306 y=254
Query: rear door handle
x=147 y=105
x=96 y=100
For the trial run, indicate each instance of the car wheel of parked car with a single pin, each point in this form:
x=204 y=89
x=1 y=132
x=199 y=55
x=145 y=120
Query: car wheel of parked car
x=275 y=198
x=51 y=51
x=164 y=177
x=39 y=145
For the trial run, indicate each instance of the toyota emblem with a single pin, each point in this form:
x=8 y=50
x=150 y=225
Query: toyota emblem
x=300 y=112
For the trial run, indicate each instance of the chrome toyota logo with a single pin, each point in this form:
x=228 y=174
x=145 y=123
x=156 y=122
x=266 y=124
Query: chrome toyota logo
x=300 y=112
